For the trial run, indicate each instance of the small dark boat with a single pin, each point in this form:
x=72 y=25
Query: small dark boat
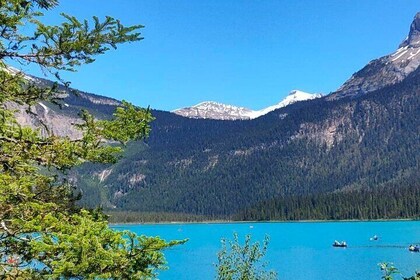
x=342 y=244
x=414 y=248
x=374 y=238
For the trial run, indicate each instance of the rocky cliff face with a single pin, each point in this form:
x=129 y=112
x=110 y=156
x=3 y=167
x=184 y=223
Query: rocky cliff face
x=413 y=38
x=386 y=70
x=48 y=120
x=60 y=120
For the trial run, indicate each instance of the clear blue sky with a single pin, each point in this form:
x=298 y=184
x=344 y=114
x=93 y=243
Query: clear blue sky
x=242 y=52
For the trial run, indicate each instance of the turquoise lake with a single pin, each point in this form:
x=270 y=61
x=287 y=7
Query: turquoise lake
x=297 y=251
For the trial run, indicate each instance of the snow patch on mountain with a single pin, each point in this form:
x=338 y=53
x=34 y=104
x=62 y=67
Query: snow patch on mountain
x=14 y=71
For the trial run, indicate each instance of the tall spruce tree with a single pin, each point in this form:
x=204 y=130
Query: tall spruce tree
x=43 y=235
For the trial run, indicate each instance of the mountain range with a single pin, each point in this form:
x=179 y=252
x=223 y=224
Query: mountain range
x=219 y=111
x=217 y=161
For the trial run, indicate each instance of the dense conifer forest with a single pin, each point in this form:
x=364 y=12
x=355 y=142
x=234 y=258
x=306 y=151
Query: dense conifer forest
x=390 y=202
x=381 y=203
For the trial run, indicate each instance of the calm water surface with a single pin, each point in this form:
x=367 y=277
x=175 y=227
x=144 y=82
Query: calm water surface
x=298 y=251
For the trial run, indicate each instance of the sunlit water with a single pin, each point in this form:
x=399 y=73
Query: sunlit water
x=298 y=251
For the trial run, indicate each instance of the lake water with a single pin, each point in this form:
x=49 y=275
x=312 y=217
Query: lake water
x=298 y=251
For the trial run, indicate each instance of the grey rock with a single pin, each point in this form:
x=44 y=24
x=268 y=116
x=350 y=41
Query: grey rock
x=414 y=35
x=52 y=119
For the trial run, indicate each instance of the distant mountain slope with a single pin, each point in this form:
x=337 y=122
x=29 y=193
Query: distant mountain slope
x=219 y=111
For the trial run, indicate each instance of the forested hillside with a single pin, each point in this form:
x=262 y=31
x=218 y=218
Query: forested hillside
x=218 y=168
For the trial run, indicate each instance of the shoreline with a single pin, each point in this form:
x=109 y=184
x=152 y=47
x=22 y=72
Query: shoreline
x=261 y=222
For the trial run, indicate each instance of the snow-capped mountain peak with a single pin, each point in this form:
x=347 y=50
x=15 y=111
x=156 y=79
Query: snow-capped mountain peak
x=214 y=110
x=219 y=111
x=293 y=97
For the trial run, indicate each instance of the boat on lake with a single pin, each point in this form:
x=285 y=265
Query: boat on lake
x=414 y=248
x=341 y=244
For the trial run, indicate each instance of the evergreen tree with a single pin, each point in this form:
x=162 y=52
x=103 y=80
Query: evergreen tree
x=43 y=235
x=243 y=262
